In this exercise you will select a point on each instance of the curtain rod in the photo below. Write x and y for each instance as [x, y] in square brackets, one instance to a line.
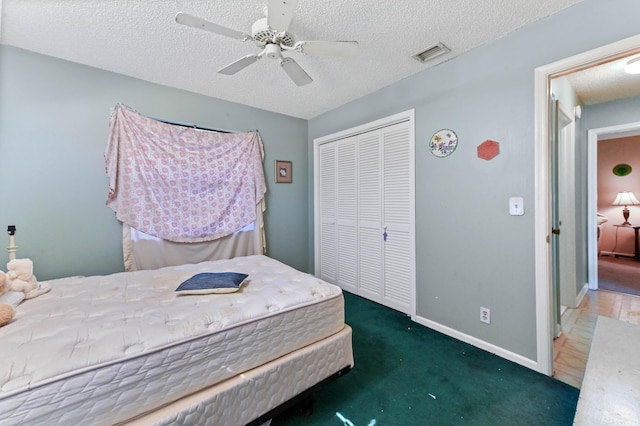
[194, 126]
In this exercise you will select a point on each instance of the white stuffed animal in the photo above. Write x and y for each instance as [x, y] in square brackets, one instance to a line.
[4, 286]
[8, 296]
[7, 311]
[20, 278]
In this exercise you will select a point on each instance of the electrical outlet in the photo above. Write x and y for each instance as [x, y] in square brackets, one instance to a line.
[485, 315]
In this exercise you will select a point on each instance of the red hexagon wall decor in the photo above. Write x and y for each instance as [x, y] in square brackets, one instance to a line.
[488, 149]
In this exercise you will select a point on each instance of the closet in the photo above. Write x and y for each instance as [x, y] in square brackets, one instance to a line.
[364, 211]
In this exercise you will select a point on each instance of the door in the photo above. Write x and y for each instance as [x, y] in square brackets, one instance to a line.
[569, 285]
[328, 268]
[370, 229]
[347, 214]
[364, 214]
[385, 217]
[563, 246]
[397, 209]
[555, 218]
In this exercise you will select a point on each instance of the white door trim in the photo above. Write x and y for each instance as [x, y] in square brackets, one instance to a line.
[544, 308]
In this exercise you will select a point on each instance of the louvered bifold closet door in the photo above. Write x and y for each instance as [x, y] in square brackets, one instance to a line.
[346, 189]
[370, 283]
[365, 238]
[328, 213]
[397, 214]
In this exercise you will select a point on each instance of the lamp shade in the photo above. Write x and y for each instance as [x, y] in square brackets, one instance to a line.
[625, 198]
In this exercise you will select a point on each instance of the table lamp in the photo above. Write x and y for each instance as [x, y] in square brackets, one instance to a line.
[625, 199]
[11, 230]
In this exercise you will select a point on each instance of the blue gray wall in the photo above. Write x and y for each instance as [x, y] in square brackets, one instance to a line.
[608, 114]
[470, 252]
[53, 131]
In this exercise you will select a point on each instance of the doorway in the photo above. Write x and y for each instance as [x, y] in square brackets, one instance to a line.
[595, 135]
[617, 274]
[545, 307]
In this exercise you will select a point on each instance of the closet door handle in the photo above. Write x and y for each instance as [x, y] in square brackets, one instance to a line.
[555, 231]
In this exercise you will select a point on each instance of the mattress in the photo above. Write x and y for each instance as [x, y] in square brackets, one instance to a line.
[105, 349]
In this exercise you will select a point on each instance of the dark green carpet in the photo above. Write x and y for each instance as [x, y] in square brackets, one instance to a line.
[400, 366]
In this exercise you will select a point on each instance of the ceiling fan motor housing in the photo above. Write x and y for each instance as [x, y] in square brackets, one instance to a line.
[262, 35]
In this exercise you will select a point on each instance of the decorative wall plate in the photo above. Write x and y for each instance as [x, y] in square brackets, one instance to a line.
[622, 170]
[443, 143]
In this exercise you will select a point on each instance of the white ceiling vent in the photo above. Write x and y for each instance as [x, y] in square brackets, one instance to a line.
[432, 52]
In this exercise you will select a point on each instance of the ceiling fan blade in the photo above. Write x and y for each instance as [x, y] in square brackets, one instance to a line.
[195, 22]
[295, 72]
[280, 13]
[239, 65]
[328, 48]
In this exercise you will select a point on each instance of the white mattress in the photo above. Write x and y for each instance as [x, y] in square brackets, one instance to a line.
[101, 350]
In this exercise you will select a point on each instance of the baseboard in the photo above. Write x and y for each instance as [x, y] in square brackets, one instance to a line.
[615, 254]
[489, 347]
[582, 293]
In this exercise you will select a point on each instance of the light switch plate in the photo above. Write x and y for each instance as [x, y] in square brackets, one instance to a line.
[516, 206]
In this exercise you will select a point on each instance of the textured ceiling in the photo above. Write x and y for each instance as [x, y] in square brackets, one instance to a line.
[606, 82]
[141, 39]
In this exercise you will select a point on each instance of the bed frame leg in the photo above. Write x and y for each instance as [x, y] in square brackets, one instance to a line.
[303, 401]
[306, 406]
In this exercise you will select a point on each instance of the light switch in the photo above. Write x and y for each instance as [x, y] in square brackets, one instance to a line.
[516, 206]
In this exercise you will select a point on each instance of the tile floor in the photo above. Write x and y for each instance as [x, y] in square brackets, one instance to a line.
[571, 349]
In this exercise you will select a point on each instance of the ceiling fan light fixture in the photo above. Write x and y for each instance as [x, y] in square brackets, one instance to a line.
[633, 66]
[273, 51]
[431, 52]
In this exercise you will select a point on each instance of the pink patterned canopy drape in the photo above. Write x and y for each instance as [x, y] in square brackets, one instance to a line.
[182, 184]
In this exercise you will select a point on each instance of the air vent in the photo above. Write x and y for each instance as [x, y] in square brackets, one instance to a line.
[432, 52]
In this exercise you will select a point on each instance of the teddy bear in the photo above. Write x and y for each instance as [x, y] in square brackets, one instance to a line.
[6, 313]
[3, 283]
[6, 310]
[7, 296]
[20, 278]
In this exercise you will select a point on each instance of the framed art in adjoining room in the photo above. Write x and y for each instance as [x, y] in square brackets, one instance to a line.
[284, 172]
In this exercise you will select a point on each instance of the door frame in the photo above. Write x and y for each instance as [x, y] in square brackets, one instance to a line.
[542, 230]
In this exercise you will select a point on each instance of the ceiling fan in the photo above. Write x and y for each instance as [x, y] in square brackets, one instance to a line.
[271, 35]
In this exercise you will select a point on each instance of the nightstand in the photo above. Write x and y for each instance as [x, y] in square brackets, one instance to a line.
[636, 246]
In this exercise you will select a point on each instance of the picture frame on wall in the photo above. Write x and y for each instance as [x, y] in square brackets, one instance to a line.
[284, 171]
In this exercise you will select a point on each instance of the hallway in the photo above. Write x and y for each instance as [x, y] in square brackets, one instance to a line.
[571, 349]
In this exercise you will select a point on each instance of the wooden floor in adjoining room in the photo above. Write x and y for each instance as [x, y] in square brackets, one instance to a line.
[571, 349]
